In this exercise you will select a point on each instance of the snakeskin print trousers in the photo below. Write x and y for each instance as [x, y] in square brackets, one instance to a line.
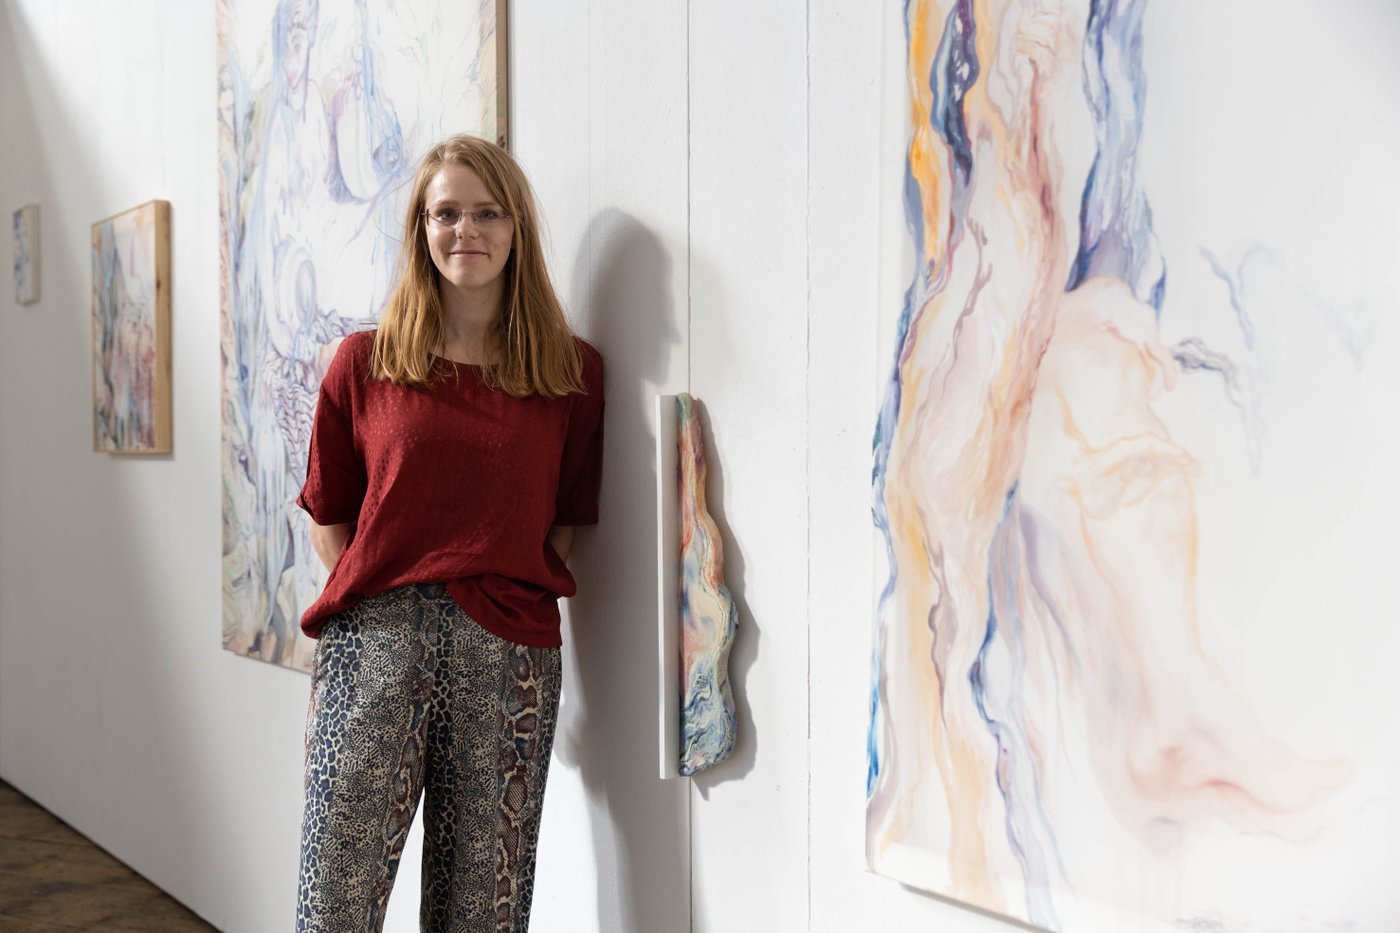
[410, 698]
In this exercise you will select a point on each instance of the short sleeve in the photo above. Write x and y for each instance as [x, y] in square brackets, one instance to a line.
[335, 472]
[581, 468]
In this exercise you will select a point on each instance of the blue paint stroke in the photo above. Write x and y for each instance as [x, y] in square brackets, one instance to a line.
[708, 721]
[1027, 825]
[1115, 219]
[1234, 284]
[1353, 322]
[1192, 355]
[872, 746]
[954, 71]
[361, 90]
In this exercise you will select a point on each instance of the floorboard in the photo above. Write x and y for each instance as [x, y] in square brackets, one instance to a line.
[53, 879]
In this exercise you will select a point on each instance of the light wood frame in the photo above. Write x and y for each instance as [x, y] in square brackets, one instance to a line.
[503, 74]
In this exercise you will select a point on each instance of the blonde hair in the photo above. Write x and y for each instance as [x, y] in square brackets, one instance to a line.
[534, 350]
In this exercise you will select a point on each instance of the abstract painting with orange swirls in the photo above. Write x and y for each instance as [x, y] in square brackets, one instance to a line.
[1135, 469]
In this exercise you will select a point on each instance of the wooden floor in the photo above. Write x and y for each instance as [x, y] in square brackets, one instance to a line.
[53, 879]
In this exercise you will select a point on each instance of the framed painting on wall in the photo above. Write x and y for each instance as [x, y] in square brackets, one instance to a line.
[131, 331]
[323, 116]
[26, 246]
[1134, 469]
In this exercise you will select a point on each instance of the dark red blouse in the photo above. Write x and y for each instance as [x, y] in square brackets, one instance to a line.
[455, 483]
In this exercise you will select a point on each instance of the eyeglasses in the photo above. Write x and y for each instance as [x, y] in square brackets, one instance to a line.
[450, 217]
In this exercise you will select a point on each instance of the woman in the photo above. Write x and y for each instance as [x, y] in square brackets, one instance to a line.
[453, 450]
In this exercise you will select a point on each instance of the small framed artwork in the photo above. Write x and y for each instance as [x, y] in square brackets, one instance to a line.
[131, 331]
[26, 227]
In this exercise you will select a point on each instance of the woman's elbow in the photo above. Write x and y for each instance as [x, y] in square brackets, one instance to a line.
[329, 540]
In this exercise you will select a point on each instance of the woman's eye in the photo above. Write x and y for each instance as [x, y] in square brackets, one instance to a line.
[448, 216]
[487, 214]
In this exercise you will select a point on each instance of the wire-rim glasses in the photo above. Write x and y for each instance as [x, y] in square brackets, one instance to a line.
[488, 218]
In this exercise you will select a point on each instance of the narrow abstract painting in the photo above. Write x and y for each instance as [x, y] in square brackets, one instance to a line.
[709, 616]
[324, 110]
[1135, 469]
[131, 331]
[26, 243]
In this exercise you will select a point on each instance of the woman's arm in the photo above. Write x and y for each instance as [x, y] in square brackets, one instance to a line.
[561, 538]
[329, 541]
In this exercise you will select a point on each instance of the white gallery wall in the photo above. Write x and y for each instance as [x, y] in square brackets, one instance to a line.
[717, 182]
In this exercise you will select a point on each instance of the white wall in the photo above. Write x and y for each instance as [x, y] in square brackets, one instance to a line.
[712, 175]
[118, 709]
[613, 848]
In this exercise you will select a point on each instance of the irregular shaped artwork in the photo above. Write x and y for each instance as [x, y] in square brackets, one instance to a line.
[26, 231]
[709, 619]
[131, 331]
[324, 110]
[1134, 471]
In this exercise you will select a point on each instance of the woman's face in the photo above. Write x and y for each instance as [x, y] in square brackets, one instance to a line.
[472, 252]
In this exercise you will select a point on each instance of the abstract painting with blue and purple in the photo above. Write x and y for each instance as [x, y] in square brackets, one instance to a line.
[1135, 469]
[324, 110]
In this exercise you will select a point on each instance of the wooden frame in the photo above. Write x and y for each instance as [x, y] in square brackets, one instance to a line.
[503, 74]
[131, 401]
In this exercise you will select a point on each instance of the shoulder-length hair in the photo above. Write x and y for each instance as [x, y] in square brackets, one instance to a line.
[533, 351]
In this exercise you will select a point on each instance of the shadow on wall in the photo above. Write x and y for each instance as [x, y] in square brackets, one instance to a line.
[1004, 921]
[744, 652]
[623, 289]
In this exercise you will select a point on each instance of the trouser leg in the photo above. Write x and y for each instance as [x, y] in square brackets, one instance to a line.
[365, 738]
[488, 759]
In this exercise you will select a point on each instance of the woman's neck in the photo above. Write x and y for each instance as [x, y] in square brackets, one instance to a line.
[468, 321]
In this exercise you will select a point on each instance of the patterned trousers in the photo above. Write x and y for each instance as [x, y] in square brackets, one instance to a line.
[410, 696]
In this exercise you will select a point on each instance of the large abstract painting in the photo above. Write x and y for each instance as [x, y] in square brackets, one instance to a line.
[1135, 469]
[324, 110]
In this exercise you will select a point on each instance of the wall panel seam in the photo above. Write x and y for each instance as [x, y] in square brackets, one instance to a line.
[689, 192]
[808, 465]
